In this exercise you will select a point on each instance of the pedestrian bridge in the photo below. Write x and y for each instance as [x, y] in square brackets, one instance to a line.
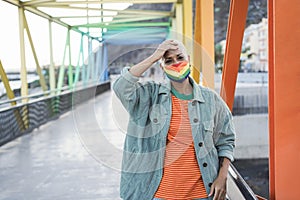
[61, 134]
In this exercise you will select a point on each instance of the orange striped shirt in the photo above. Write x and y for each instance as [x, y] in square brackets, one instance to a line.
[181, 176]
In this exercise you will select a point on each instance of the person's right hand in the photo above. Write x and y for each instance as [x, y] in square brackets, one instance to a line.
[163, 47]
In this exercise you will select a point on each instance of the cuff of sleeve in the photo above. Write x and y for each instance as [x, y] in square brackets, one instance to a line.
[128, 76]
[226, 153]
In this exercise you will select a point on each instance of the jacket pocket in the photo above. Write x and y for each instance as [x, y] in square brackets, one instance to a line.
[158, 118]
[208, 134]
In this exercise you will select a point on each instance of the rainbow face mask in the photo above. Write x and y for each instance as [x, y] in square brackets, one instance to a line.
[178, 72]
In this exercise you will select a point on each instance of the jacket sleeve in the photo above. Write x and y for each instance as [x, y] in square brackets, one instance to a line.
[224, 132]
[135, 96]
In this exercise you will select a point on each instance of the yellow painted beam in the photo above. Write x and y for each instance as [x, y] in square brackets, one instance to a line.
[9, 92]
[23, 73]
[204, 42]
[23, 121]
[38, 68]
[119, 16]
[187, 28]
[52, 78]
[49, 3]
[133, 11]
[187, 6]
[177, 23]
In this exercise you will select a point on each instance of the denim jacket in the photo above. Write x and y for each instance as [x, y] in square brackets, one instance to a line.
[150, 108]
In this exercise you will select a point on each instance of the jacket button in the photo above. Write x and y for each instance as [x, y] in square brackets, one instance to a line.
[200, 144]
[195, 120]
[210, 184]
[155, 120]
[193, 103]
[205, 164]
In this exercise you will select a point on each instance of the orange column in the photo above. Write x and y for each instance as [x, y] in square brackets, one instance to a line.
[284, 98]
[204, 53]
[235, 33]
[271, 102]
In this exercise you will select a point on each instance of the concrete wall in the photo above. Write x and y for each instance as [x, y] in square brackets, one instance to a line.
[252, 138]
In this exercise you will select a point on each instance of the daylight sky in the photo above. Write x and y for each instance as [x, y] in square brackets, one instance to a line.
[39, 27]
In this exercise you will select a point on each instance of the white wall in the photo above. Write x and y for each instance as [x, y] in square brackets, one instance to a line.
[252, 138]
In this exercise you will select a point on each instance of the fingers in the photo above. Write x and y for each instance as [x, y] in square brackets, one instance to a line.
[163, 47]
[217, 193]
[168, 44]
[212, 189]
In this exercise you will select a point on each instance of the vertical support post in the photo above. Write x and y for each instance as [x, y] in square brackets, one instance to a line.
[101, 67]
[177, 23]
[24, 85]
[80, 57]
[104, 72]
[188, 27]
[204, 54]
[23, 118]
[98, 64]
[187, 21]
[38, 68]
[61, 74]
[51, 67]
[235, 33]
[70, 67]
[84, 67]
[271, 101]
[91, 59]
[284, 95]
[88, 74]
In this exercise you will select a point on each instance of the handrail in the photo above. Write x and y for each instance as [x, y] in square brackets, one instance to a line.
[65, 89]
[240, 183]
[31, 96]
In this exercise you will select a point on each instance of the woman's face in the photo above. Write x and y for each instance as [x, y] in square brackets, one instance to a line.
[175, 64]
[172, 57]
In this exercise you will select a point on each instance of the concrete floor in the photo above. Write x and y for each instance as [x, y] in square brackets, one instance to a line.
[54, 163]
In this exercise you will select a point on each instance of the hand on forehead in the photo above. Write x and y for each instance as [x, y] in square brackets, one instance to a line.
[180, 49]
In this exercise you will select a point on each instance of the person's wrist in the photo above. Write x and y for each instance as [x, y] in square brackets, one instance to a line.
[223, 174]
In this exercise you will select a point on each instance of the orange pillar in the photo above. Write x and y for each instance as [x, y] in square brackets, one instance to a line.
[271, 102]
[235, 33]
[204, 54]
[284, 98]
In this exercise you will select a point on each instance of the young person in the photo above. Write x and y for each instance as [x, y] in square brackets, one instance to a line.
[180, 136]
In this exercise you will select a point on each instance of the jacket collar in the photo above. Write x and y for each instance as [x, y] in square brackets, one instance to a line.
[166, 88]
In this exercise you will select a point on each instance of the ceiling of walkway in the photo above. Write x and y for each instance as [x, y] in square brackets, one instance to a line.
[103, 18]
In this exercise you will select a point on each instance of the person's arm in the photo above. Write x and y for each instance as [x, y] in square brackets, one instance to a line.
[129, 90]
[218, 188]
[224, 141]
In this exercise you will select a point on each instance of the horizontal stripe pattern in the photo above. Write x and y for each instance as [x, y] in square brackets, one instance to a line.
[181, 177]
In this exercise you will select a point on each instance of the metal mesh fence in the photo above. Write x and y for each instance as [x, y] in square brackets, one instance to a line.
[22, 119]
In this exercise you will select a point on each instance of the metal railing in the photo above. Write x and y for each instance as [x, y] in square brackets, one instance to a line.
[23, 118]
[238, 189]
